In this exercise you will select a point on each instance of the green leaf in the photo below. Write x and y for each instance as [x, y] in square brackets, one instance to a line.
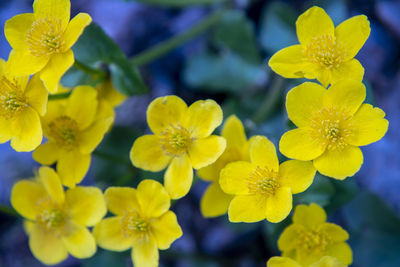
[178, 3]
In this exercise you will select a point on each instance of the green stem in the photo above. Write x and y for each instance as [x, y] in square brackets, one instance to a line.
[8, 210]
[59, 96]
[163, 48]
[85, 68]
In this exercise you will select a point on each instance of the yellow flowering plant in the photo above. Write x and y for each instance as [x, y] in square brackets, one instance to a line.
[325, 261]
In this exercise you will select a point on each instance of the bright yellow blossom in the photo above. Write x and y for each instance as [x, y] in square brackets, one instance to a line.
[214, 201]
[263, 189]
[182, 141]
[21, 104]
[287, 262]
[332, 125]
[325, 53]
[310, 237]
[142, 222]
[74, 127]
[56, 222]
[42, 40]
[107, 92]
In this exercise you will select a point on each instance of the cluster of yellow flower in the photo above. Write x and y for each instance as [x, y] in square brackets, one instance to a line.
[247, 180]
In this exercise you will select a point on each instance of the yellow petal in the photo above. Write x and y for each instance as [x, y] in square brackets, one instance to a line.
[152, 198]
[340, 163]
[313, 23]
[203, 117]
[211, 172]
[214, 201]
[57, 9]
[348, 70]
[233, 178]
[25, 196]
[234, 133]
[72, 167]
[348, 95]
[51, 182]
[328, 261]
[121, 199]
[279, 205]
[179, 177]
[323, 75]
[108, 93]
[16, 28]
[91, 137]
[86, 205]
[80, 243]
[164, 112]
[352, 34]
[37, 95]
[147, 154]
[247, 209]
[46, 154]
[22, 63]
[82, 105]
[145, 254]
[335, 232]
[46, 246]
[282, 262]
[166, 230]
[298, 175]
[341, 251]
[303, 101]
[367, 126]
[300, 144]
[55, 69]
[5, 130]
[288, 62]
[309, 216]
[205, 151]
[55, 109]
[287, 240]
[27, 131]
[75, 29]
[108, 234]
[263, 153]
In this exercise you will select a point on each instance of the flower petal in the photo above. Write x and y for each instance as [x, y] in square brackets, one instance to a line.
[287, 240]
[16, 28]
[37, 95]
[57, 9]
[348, 70]
[282, 262]
[279, 205]
[27, 131]
[205, 151]
[288, 62]
[75, 29]
[233, 178]
[342, 252]
[298, 175]
[22, 63]
[51, 182]
[80, 243]
[313, 23]
[300, 144]
[309, 216]
[46, 154]
[166, 230]
[328, 261]
[335, 232]
[214, 202]
[352, 34]
[145, 254]
[152, 198]
[179, 177]
[108, 234]
[25, 196]
[82, 105]
[6, 131]
[91, 137]
[147, 154]
[247, 209]
[340, 163]
[72, 167]
[263, 153]
[121, 199]
[233, 132]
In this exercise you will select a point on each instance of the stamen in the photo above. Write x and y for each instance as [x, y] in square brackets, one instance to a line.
[64, 131]
[51, 216]
[175, 140]
[134, 226]
[12, 99]
[263, 182]
[313, 240]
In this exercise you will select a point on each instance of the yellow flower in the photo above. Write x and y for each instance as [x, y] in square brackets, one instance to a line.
[42, 40]
[74, 127]
[56, 222]
[325, 53]
[142, 222]
[310, 237]
[332, 125]
[182, 141]
[21, 104]
[107, 92]
[263, 189]
[287, 262]
[215, 202]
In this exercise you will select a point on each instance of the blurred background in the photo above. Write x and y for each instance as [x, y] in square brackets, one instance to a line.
[225, 58]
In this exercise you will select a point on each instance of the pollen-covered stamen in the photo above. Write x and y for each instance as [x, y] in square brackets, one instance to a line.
[133, 225]
[175, 140]
[325, 50]
[45, 37]
[313, 240]
[64, 131]
[263, 181]
[12, 99]
[51, 215]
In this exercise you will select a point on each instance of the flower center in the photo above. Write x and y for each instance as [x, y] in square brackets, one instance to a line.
[45, 37]
[175, 140]
[263, 182]
[325, 50]
[64, 131]
[314, 240]
[12, 99]
[134, 226]
[50, 215]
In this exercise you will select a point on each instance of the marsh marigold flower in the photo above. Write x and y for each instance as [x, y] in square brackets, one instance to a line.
[310, 237]
[332, 125]
[263, 189]
[74, 128]
[142, 222]
[215, 202]
[325, 53]
[42, 40]
[107, 92]
[287, 262]
[22, 101]
[57, 221]
[182, 141]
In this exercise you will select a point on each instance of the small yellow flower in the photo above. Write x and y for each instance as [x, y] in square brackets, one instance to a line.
[263, 189]
[182, 141]
[21, 104]
[142, 222]
[56, 222]
[214, 201]
[310, 237]
[107, 92]
[325, 53]
[74, 127]
[332, 125]
[287, 262]
[42, 40]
